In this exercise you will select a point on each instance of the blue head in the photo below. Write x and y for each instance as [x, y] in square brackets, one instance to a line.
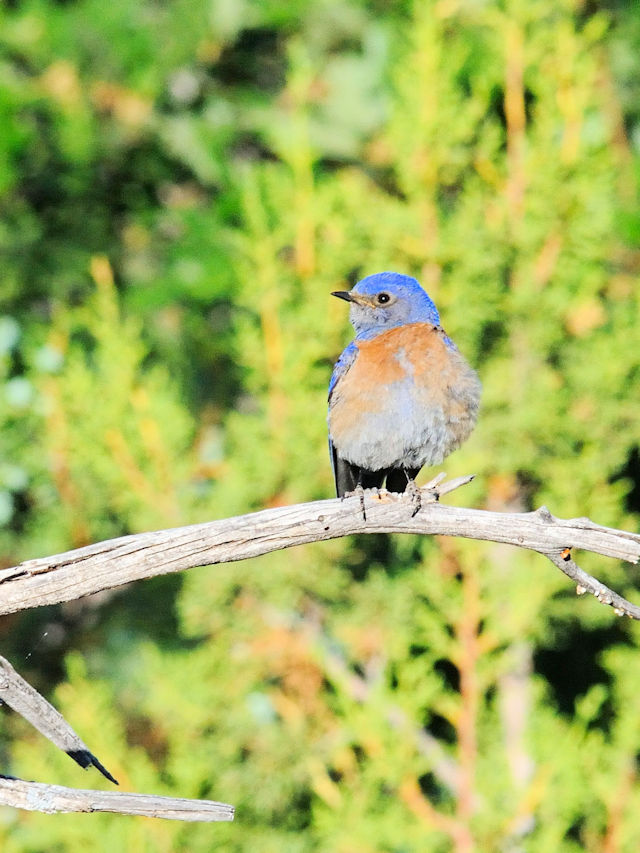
[385, 300]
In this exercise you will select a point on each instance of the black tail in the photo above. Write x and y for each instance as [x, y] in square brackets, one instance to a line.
[348, 476]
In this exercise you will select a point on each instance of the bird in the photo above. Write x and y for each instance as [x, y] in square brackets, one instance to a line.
[401, 395]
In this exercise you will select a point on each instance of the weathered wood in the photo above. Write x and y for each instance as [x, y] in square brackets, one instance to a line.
[52, 799]
[26, 701]
[109, 564]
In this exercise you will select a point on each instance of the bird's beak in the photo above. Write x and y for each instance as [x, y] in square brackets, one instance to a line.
[350, 296]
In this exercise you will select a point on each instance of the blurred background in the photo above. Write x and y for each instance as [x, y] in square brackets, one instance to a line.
[182, 184]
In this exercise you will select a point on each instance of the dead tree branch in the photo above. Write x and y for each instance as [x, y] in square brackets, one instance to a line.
[35, 796]
[53, 799]
[105, 565]
[26, 701]
[110, 564]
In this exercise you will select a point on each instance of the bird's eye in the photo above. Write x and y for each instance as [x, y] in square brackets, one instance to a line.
[383, 298]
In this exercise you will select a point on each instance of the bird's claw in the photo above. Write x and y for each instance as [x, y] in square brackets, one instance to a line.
[429, 493]
[359, 492]
[415, 495]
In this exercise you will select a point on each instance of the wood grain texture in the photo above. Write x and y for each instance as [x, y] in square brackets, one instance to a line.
[26, 701]
[54, 799]
[109, 564]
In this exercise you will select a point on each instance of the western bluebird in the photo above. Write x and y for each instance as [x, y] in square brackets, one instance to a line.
[401, 396]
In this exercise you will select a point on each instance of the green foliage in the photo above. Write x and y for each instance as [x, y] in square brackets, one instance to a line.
[181, 186]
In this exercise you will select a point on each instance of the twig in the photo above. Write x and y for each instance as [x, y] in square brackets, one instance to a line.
[110, 564]
[587, 583]
[35, 796]
[107, 565]
[51, 799]
[25, 700]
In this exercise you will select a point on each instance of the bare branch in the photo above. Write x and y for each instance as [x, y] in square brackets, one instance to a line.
[110, 564]
[587, 583]
[51, 799]
[25, 700]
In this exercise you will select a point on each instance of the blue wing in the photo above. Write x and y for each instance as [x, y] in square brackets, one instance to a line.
[342, 365]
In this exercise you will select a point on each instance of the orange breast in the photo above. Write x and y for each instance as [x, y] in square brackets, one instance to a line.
[407, 398]
[414, 352]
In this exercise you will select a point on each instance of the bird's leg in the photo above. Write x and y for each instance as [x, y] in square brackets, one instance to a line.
[414, 493]
[359, 493]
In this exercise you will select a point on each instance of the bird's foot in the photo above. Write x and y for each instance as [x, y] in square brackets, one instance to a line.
[415, 495]
[359, 492]
[432, 491]
[429, 493]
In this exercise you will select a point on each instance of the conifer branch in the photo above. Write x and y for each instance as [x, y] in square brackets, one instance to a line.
[110, 564]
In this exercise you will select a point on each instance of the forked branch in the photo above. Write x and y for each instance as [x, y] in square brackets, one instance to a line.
[109, 564]
[106, 565]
